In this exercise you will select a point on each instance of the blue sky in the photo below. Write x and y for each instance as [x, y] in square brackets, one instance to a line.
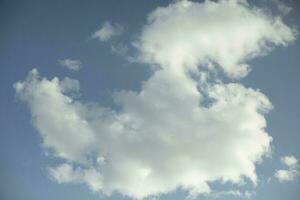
[166, 107]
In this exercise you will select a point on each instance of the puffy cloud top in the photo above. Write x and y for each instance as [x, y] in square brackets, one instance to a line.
[226, 33]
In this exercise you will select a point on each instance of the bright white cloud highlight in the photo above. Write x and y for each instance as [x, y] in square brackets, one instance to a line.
[73, 65]
[185, 128]
[107, 31]
[291, 173]
[226, 34]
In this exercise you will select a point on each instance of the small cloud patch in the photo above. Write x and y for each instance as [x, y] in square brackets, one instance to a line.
[292, 171]
[73, 65]
[107, 31]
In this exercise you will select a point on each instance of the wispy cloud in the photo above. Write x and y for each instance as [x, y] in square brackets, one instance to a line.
[70, 64]
[282, 7]
[232, 193]
[107, 31]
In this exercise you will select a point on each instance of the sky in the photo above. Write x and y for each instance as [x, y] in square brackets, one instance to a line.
[165, 100]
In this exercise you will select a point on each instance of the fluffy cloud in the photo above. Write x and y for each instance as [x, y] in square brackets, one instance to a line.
[65, 173]
[107, 31]
[226, 34]
[70, 64]
[55, 116]
[288, 174]
[185, 128]
[289, 161]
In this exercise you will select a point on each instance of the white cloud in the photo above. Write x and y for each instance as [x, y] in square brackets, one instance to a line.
[291, 173]
[178, 131]
[289, 161]
[286, 175]
[70, 64]
[55, 115]
[107, 31]
[226, 34]
[66, 173]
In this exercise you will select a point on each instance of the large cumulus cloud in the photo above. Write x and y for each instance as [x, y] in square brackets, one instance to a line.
[185, 128]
